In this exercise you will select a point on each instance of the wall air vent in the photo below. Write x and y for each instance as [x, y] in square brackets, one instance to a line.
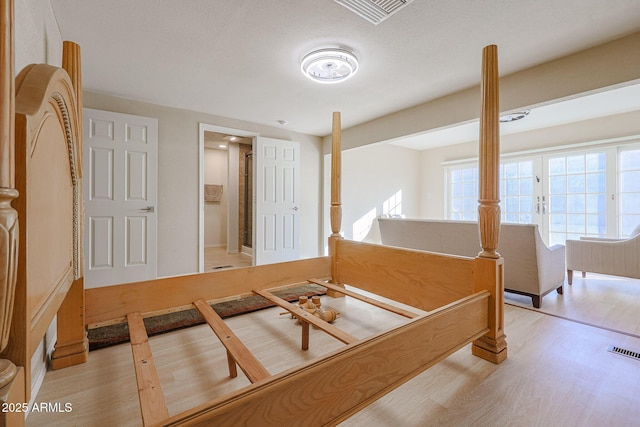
[374, 11]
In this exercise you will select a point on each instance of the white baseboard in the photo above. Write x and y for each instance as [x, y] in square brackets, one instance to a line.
[215, 245]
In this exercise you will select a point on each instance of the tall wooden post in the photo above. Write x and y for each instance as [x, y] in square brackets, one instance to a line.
[489, 203]
[12, 378]
[490, 266]
[336, 204]
[72, 345]
[8, 215]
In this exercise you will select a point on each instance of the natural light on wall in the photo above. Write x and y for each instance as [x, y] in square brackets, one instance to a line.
[362, 226]
[390, 207]
[393, 205]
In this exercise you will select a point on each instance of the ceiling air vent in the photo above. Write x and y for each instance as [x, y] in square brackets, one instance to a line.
[374, 11]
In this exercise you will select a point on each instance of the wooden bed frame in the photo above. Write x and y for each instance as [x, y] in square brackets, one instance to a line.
[42, 276]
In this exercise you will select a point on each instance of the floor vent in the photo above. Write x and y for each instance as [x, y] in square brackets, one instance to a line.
[218, 267]
[374, 11]
[624, 352]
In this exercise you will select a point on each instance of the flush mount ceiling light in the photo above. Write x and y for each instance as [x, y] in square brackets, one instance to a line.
[329, 65]
[512, 117]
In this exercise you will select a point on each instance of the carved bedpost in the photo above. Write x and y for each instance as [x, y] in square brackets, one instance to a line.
[336, 204]
[12, 378]
[8, 215]
[489, 203]
[72, 345]
[490, 266]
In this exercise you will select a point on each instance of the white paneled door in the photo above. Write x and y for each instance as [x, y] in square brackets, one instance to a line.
[120, 195]
[277, 184]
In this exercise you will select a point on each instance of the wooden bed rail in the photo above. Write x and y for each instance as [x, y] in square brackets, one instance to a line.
[324, 387]
[369, 300]
[111, 304]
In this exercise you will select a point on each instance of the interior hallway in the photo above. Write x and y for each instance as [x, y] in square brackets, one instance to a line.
[218, 258]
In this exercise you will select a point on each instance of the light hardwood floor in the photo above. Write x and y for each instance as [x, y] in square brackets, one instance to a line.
[604, 301]
[218, 258]
[559, 372]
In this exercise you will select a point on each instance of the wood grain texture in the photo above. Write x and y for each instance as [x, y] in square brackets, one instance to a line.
[46, 129]
[336, 172]
[114, 302]
[249, 364]
[329, 390]
[152, 402]
[307, 317]
[72, 345]
[490, 277]
[489, 192]
[558, 371]
[7, 89]
[13, 394]
[372, 301]
[9, 220]
[335, 210]
[419, 279]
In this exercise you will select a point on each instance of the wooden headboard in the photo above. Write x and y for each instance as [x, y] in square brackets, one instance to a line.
[48, 206]
[40, 215]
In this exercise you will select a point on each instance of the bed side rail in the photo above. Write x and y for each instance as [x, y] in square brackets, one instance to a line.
[113, 303]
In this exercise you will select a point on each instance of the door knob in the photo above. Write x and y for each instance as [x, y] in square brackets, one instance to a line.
[148, 209]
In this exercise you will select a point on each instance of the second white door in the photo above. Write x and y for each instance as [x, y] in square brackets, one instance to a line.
[277, 201]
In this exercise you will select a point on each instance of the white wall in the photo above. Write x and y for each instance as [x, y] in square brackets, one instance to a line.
[178, 188]
[370, 176]
[37, 38]
[215, 213]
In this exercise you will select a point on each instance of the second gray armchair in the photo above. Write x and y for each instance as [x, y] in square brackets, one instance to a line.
[616, 257]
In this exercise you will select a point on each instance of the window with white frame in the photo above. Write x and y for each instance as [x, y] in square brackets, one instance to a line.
[577, 196]
[463, 193]
[517, 191]
[629, 190]
[588, 192]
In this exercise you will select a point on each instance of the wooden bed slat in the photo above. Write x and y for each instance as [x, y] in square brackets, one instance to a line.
[372, 301]
[306, 317]
[336, 386]
[251, 366]
[152, 402]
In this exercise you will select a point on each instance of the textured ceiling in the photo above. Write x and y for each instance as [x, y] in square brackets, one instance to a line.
[240, 58]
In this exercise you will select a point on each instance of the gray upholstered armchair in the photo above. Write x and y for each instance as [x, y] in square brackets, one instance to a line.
[617, 257]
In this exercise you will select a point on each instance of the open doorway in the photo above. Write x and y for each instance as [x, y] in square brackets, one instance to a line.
[226, 202]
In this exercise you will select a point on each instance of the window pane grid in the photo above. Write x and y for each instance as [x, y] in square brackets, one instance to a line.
[577, 198]
[516, 191]
[463, 193]
[629, 191]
